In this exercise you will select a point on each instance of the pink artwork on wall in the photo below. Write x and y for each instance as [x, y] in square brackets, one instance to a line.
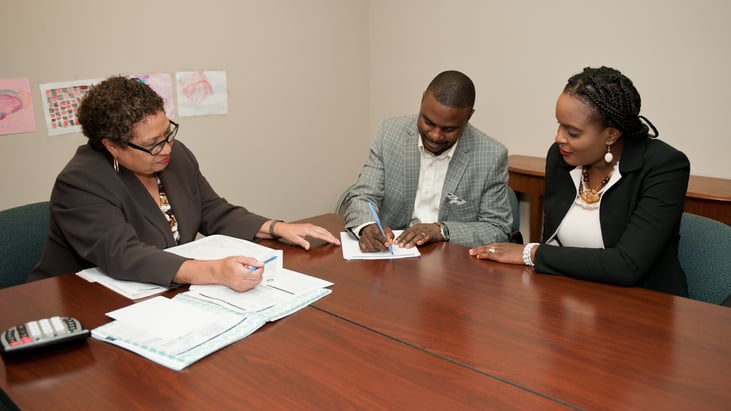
[10, 102]
[196, 87]
[62, 104]
[162, 83]
[16, 107]
[61, 101]
[201, 93]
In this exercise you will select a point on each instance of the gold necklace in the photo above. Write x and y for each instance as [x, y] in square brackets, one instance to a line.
[592, 195]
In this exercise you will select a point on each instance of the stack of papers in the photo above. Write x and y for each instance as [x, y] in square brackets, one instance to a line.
[270, 292]
[219, 246]
[179, 331]
[130, 289]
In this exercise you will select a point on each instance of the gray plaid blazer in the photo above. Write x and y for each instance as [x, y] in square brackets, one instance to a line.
[474, 204]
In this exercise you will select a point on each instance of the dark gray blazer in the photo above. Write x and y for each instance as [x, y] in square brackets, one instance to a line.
[474, 204]
[101, 218]
[640, 220]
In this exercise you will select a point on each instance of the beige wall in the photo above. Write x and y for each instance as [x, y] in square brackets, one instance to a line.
[520, 54]
[297, 80]
[309, 80]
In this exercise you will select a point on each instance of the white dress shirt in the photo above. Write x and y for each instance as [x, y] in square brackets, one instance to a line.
[432, 172]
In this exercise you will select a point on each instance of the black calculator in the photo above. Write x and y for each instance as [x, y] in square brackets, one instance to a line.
[41, 333]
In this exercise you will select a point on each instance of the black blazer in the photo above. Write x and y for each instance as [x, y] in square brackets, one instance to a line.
[101, 218]
[640, 220]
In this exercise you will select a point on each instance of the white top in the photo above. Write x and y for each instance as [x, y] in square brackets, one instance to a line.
[432, 172]
[581, 226]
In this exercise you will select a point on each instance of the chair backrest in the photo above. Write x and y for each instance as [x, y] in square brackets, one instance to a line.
[23, 232]
[342, 203]
[705, 255]
[515, 235]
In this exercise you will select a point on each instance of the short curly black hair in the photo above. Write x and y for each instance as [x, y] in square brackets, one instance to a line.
[113, 107]
[614, 98]
[453, 89]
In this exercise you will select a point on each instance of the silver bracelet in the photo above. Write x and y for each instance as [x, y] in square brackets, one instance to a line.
[526, 254]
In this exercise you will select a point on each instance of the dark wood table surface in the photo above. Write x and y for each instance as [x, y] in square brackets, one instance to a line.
[589, 345]
[309, 360]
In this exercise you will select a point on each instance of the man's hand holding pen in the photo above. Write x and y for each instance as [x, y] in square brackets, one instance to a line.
[371, 239]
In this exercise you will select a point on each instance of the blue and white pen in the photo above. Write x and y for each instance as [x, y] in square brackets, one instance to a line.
[378, 223]
[267, 261]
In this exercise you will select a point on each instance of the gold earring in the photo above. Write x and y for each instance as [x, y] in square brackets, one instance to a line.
[116, 165]
[608, 157]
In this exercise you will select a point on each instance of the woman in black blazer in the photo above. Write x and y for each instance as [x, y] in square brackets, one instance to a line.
[614, 194]
[134, 190]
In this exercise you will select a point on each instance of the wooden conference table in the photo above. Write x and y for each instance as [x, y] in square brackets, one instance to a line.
[706, 196]
[442, 331]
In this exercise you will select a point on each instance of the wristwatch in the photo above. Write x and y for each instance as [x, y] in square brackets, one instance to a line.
[445, 230]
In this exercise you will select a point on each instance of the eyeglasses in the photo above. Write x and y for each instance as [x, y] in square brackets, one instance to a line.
[157, 148]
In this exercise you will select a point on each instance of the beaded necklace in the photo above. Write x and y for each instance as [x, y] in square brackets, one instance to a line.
[592, 195]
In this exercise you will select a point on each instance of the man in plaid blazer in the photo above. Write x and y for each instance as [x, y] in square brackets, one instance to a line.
[434, 176]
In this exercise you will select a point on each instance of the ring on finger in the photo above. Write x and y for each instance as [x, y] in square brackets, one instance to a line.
[491, 250]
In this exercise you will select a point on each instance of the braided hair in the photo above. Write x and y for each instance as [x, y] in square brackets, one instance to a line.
[614, 98]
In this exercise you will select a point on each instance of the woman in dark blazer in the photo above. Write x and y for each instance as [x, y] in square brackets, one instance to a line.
[614, 194]
[133, 190]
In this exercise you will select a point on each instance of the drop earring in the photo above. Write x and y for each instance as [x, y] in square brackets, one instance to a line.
[115, 163]
[608, 157]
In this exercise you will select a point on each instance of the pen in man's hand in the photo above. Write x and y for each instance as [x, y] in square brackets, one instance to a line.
[267, 261]
[378, 223]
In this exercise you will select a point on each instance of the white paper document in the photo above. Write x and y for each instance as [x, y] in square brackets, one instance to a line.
[179, 331]
[351, 250]
[219, 246]
[172, 326]
[160, 330]
[207, 248]
[130, 289]
[285, 286]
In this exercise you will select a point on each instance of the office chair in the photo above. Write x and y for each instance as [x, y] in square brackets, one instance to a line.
[342, 203]
[6, 403]
[705, 255]
[515, 235]
[23, 232]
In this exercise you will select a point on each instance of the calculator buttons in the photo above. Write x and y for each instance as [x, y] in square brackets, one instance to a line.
[40, 333]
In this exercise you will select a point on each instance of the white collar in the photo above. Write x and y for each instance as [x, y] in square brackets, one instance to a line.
[447, 155]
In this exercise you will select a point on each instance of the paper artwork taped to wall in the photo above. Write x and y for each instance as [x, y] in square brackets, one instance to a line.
[61, 102]
[162, 83]
[201, 93]
[16, 107]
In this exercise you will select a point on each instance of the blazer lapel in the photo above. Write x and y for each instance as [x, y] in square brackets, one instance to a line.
[457, 167]
[150, 209]
[412, 162]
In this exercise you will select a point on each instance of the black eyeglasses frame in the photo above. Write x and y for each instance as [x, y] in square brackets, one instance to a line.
[157, 148]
